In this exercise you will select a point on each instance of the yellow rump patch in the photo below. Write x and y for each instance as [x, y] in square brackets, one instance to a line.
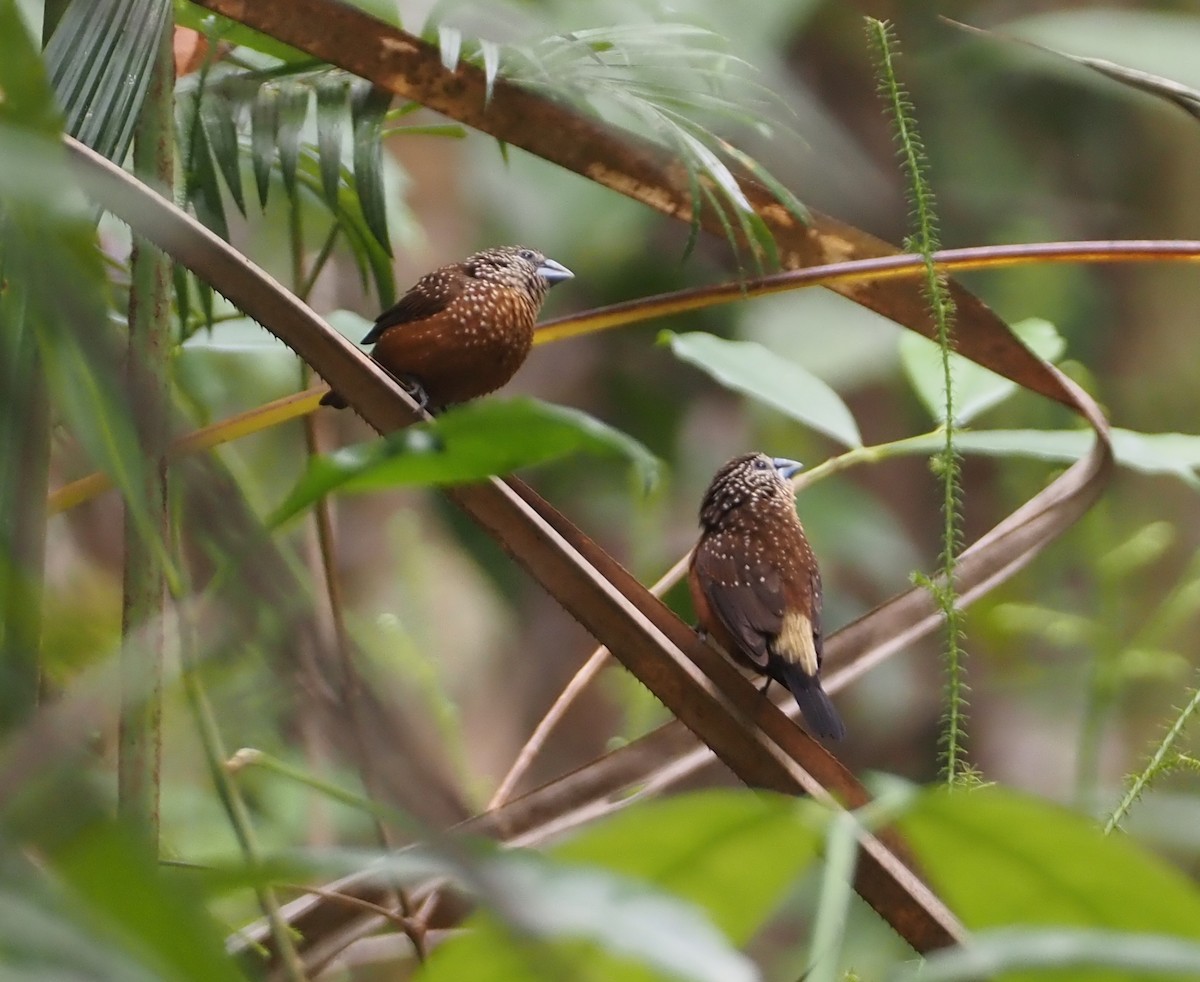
[795, 642]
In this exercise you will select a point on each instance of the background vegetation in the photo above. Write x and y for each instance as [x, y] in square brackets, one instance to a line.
[381, 660]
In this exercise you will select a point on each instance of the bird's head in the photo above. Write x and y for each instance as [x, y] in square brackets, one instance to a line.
[750, 479]
[518, 268]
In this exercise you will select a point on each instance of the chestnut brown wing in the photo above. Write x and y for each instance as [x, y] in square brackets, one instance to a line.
[751, 613]
[432, 294]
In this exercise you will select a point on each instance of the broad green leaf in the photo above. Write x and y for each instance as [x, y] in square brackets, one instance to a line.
[1061, 954]
[975, 389]
[1000, 858]
[733, 853]
[40, 932]
[368, 107]
[591, 923]
[333, 107]
[98, 60]
[749, 368]
[1176, 454]
[126, 893]
[467, 443]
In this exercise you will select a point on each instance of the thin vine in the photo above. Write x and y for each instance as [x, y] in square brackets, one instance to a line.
[1163, 760]
[946, 462]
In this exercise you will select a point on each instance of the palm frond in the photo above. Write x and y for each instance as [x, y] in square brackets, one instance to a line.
[286, 118]
[675, 82]
[98, 60]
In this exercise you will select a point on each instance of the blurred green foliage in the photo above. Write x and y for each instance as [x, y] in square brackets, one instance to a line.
[1079, 665]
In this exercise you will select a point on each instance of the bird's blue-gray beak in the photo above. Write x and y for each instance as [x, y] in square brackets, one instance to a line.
[787, 468]
[553, 272]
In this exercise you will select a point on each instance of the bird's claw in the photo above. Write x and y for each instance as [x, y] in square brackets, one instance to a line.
[413, 386]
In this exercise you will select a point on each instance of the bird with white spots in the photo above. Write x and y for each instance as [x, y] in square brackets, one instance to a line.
[463, 330]
[755, 583]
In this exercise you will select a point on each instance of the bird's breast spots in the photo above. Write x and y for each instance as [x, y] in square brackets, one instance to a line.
[795, 642]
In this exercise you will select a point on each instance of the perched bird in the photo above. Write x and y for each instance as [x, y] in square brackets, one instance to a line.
[755, 583]
[463, 330]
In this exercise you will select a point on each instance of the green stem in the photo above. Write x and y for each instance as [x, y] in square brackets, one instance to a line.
[1157, 764]
[946, 462]
[833, 908]
[348, 680]
[24, 482]
[308, 282]
[867, 455]
[145, 575]
[235, 805]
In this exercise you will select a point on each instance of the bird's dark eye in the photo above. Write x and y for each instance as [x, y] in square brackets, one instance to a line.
[761, 465]
[527, 254]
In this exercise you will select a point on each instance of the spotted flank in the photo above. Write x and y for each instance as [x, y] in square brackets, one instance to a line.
[755, 583]
[465, 329]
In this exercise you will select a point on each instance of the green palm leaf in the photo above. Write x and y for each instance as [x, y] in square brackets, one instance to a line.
[98, 61]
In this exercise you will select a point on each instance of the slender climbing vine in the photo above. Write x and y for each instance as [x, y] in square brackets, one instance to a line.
[1164, 760]
[946, 462]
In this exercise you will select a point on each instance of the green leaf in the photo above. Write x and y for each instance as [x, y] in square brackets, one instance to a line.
[332, 109]
[749, 368]
[1000, 858]
[202, 190]
[219, 28]
[606, 925]
[98, 60]
[733, 853]
[711, 165]
[55, 284]
[1140, 38]
[218, 114]
[768, 180]
[264, 130]
[468, 443]
[1175, 454]
[1119, 954]
[368, 107]
[38, 933]
[975, 389]
[182, 284]
[126, 893]
[293, 109]
[371, 257]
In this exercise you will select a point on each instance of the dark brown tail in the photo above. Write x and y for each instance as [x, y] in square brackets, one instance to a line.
[814, 704]
[331, 398]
